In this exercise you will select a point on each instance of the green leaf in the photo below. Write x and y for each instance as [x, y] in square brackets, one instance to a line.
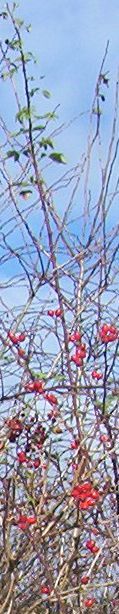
[25, 194]
[10, 73]
[39, 127]
[43, 155]
[4, 15]
[24, 113]
[26, 152]
[28, 28]
[12, 153]
[97, 111]
[39, 375]
[45, 142]
[27, 57]
[58, 157]
[19, 22]
[46, 93]
[59, 378]
[33, 91]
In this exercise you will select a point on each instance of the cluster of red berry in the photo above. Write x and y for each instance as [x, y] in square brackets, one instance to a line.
[97, 375]
[24, 521]
[45, 590]
[85, 495]
[38, 387]
[89, 602]
[92, 546]
[108, 333]
[22, 458]
[51, 398]
[76, 336]
[79, 355]
[34, 386]
[57, 313]
[15, 427]
[18, 338]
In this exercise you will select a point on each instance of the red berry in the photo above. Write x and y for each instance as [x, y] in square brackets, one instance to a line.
[38, 386]
[12, 337]
[104, 438]
[94, 493]
[24, 521]
[108, 333]
[77, 360]
[21, 337]
[81, 350]
[95, 531]
[74, 444]
[21, 352]
[84, 580]
[90, 544]
[58, 313]
[29, 386]
[89, 602]
[76, 336]
[15, 425]
[95, 549]
[31, 519]
[86, 503]
[51, 398]
[45, 590]
[105, 328]
[96, 375]
[36, 463]
[22, 457]
[74, 466]
[16, 338]
[51, 313]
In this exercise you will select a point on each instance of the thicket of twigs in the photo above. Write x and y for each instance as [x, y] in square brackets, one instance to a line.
[59, 348]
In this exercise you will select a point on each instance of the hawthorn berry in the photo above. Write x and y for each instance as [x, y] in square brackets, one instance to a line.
[104, 438]
[25, 521]
[95, 549]
[36, 386]
[88, 502]
[74, 466]
[77, 360]
[58, 312]
[89, 602]
[16, 338]
[76, 336]
[85, 494]
[22, 457]
[84, 579]
[36, 463]
[105, 328]
[51, 398]
[15, 427]
[29, 387]
[74, 444]
[95, 531]
[97, 375]
[21, 352]
[45, 590]
[51, 313]
[108, 333]
[81, 350]
[90, 544]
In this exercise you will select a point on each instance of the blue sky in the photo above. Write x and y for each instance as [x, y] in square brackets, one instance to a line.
[69, 38]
